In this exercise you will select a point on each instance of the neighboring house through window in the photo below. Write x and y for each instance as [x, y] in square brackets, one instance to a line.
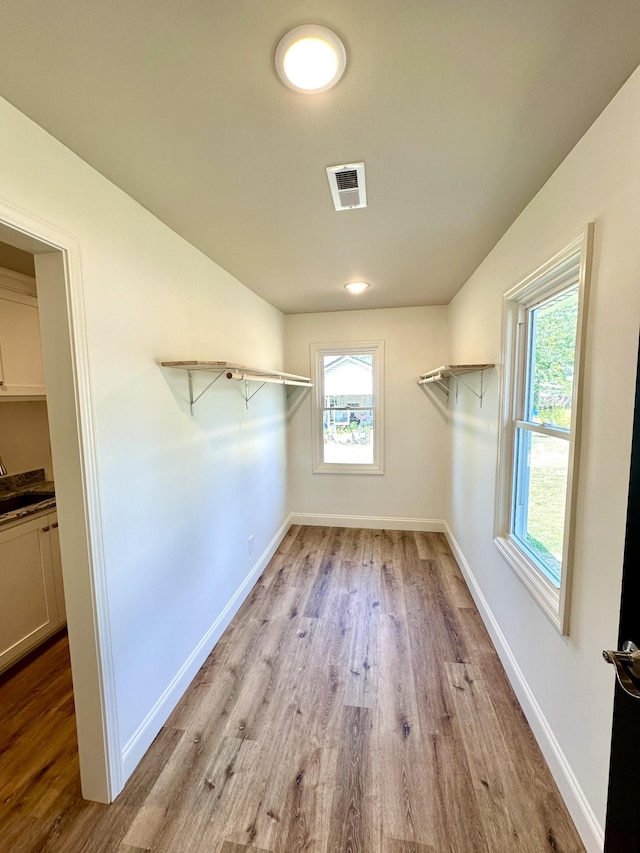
[537, 474]
[348, 419]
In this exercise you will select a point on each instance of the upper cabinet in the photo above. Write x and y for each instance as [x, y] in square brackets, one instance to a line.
[21, 367]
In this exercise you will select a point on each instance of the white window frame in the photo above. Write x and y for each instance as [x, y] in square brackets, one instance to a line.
[318, 351]
[569, 267]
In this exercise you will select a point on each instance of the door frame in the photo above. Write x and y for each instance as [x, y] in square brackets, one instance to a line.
[72, 425]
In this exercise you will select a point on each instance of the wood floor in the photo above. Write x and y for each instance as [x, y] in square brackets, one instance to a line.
[354, 705]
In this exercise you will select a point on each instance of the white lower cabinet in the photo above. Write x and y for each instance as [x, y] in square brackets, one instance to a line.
[31, 592]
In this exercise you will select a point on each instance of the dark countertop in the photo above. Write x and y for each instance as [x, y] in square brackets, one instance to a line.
[31, 483]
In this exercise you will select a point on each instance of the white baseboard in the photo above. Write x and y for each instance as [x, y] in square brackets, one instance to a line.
[588, 827]
[369, 522]
[142, 738]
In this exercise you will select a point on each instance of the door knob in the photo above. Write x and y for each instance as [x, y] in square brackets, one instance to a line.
[627, 664]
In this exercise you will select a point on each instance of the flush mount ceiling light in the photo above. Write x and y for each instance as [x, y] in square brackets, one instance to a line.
[356, 286]
[310, 59]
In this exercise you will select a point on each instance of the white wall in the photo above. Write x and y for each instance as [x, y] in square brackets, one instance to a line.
[416, 440]
[599, 182]
[179, 496]
[24, 437]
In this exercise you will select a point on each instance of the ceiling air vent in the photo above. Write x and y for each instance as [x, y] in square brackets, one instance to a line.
[347, 184]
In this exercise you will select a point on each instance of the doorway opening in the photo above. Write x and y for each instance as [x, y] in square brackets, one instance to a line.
[31, 585]
[56, 260]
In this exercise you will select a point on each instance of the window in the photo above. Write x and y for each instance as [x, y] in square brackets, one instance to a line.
[537, 470]
[348, 419]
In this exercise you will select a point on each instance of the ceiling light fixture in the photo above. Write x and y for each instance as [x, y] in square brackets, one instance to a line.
[357, 286]
[310, 59]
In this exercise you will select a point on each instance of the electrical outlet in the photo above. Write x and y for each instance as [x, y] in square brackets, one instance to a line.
[251, 544]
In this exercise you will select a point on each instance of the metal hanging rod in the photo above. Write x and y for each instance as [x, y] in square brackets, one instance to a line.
[235, 371]
[440, 376]
[278, 380]
[263, 380]
[439, 379]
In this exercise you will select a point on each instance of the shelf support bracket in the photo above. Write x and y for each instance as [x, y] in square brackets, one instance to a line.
[442, 376]
[442, 385]
[233, 371]
[469, 388]
[247, 396]
[193, 400]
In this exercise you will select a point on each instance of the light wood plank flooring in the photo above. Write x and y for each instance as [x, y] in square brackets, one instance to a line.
[354, 705]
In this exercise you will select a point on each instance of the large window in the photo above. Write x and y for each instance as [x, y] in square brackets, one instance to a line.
[537, 475]
[348, 418]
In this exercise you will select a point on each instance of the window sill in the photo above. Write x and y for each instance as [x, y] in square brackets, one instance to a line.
[547, 596]
[338, 468]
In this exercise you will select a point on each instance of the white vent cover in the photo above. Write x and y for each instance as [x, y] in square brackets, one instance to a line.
[347, 184]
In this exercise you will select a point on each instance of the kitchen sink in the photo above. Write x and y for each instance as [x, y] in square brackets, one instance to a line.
[23, 500]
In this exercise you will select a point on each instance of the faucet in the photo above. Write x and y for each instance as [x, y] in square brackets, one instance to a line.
[3, 468]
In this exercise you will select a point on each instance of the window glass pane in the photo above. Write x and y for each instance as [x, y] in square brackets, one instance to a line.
[348, 436]
[552, 344]
[542, 464]
[348, 380]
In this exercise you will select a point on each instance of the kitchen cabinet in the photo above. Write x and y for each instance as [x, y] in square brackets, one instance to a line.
[21, 366]
[31, 593]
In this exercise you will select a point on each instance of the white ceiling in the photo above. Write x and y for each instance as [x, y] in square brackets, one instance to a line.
[461, 111]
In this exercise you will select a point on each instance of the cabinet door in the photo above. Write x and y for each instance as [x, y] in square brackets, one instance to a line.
[21, 368]
[28, 610]
[56, 562]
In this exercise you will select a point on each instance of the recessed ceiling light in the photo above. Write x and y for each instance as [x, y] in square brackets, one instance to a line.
[356, 286]
[310, 59]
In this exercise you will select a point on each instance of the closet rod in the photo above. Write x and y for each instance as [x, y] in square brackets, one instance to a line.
[252, 377]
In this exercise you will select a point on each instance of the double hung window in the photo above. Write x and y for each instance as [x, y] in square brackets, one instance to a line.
[537, 475]
[348, 422]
